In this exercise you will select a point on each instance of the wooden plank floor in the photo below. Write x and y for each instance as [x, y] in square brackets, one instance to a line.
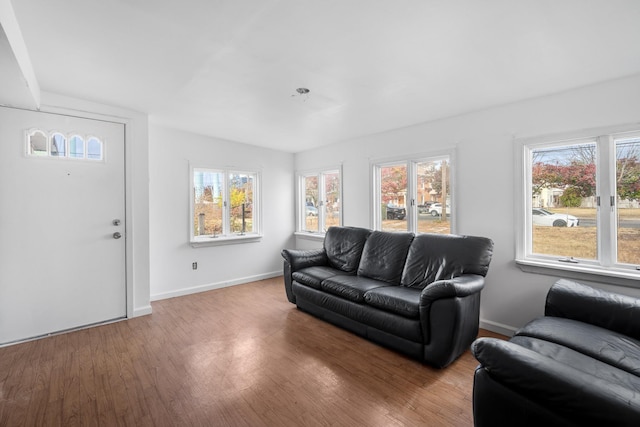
[238, 356]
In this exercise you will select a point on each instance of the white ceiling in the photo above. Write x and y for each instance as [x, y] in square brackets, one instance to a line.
[230, 68]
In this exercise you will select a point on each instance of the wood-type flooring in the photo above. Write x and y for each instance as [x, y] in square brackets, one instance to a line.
[237, 356]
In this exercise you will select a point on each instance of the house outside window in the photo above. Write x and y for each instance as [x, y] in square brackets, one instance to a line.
[414, 194]
[581, 204]
[319, 195]
[224, 205]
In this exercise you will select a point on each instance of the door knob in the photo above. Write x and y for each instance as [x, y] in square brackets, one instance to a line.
[117, 235]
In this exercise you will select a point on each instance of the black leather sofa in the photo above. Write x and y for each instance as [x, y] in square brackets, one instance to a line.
[578, 365]
[417, 294]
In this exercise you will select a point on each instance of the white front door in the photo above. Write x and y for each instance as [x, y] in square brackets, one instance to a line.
[62, 198]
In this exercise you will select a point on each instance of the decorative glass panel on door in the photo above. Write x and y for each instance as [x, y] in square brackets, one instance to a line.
[94, 148]
[76, 147]
[37, 143]
[58, 145]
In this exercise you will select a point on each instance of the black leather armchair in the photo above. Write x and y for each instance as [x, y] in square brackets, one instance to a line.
[579, 365]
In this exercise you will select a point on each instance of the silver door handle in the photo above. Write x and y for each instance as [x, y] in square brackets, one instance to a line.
[117, 235]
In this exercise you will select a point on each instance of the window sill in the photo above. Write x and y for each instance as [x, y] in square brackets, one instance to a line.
[316, 237]
[619, 277]
[224, 240]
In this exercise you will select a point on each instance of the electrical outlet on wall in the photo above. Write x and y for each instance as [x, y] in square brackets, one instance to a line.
[194, 265]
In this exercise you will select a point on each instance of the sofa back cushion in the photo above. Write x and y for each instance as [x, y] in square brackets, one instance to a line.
[445, 256]
[343, 246]
[384, 256]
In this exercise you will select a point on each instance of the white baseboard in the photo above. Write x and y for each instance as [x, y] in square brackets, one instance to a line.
[498, 328]
[141, 311]
[212, 286]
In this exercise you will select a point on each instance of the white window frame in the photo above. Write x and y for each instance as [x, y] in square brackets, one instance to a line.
[580, 269]
[411, 207]
[226, 236]
[301, 200]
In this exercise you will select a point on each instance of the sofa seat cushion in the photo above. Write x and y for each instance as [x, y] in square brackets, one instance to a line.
[396, 299]
[579, 361]
[352, 288]
[313, 276]
[602, 344]
[359, 318]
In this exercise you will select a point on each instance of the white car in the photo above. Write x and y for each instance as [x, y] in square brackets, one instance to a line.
[436, 209]
[544, 217]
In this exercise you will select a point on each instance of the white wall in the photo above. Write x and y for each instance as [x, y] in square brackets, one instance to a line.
[485, 175]
[171, 255]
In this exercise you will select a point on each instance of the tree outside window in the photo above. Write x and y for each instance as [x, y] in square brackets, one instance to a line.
[224, 203]
[564, 185]
[628, 200]
[320, 194]
[414, 195]
[311, 203]
[583, 202]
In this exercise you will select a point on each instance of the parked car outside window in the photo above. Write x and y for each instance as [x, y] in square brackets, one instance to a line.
[543, 217]
[396, 212]
[436, 209]
[424, 208]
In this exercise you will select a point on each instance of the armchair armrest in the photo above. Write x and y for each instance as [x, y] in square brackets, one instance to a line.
[557, 386]
[460, 286]
[616, 312]
[299, 259]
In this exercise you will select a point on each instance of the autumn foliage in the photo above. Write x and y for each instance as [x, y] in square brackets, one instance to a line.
[578, 179]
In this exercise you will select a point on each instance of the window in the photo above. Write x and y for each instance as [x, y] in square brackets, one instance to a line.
[320, 198]
[224, 205]
[627, 199]
[414, 195]
[37, 143]
[94, 148]
[58, 145]
[76, 147]
[581, 205]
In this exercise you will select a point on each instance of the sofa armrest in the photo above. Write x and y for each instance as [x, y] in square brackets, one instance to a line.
[460, 286]
[616, 312]
[449, 315]
[299, 259]
[561, 388]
